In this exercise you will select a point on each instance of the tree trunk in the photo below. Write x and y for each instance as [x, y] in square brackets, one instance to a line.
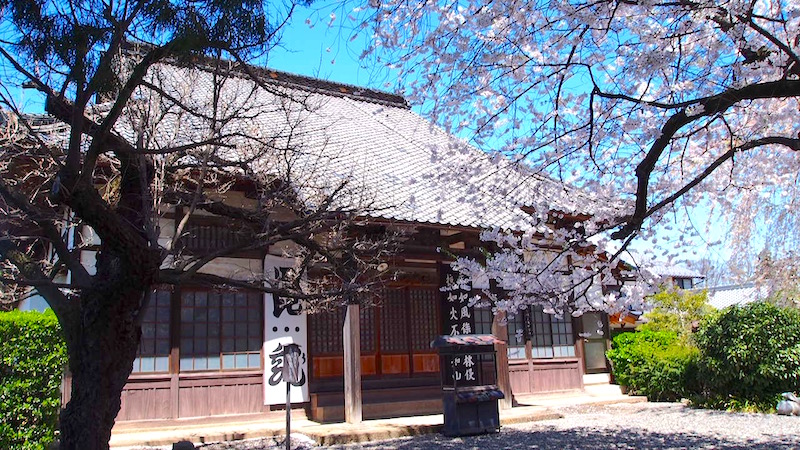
[101, 350]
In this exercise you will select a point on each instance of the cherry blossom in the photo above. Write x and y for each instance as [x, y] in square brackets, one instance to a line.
[660, 106]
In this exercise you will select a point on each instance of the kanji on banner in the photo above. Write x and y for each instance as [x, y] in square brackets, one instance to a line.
[457, 318]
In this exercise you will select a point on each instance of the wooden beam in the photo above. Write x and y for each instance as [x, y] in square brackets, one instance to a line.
[352, 365]
[503, 378]
[429, 252]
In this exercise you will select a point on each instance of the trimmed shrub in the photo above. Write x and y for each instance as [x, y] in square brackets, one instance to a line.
[657, 364]
[32, 357]
[750, 355]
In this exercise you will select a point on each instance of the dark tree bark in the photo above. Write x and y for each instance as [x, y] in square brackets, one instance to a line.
[102, 344]
[101, 353]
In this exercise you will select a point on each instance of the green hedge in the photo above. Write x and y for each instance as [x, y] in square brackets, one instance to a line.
[750, 355]
[657, 364]
[32, 357]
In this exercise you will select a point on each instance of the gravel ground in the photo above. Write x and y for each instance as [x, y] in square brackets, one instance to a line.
[623, 426]
[626, 426]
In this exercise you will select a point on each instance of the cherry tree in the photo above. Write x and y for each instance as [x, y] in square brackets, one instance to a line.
[661, 105]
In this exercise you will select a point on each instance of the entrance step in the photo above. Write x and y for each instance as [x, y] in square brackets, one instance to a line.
[599, 390]
[596, 378]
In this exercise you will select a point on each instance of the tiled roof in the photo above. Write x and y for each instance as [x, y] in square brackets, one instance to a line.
[740, 294]
[328, 88]
[661, 269]
[674, 271]
[398, 166]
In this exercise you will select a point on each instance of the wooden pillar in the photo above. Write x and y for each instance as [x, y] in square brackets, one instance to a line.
[174, 352]
[580, 345]
[352, 365]
[503, 379]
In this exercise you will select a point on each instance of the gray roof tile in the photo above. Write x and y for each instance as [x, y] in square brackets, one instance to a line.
[398, 165]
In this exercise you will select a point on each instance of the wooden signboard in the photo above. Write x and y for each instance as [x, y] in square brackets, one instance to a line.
[284, 323]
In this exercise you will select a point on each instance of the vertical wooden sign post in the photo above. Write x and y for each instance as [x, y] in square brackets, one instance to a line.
[352, 365]
[288, 417]
[292, 374]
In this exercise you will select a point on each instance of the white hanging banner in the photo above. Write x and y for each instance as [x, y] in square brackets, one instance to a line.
[284, 323]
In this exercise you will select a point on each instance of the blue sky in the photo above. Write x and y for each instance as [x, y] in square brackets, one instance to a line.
[323, 51]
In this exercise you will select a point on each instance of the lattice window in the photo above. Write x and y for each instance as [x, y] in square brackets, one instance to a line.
[394, 316]
[367, 327]
[154, 348]
[563, 339]
[327, 327]
[326, 332]
[483, 320]
[242, 334]
[551, 337]
[220, 330]
[204, 238]
[424, 323]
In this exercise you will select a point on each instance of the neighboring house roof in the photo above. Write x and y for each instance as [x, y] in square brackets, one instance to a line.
[741, 294]
[669, 270]
[398, 165]
[659, 269]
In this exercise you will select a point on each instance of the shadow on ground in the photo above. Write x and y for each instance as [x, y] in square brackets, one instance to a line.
[576, 438]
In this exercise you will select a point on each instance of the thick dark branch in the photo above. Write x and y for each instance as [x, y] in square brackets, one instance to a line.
[215, 141]
[61, 108]
[708, 106]
[639, 101]
[115, 232]
[792, 144]
[175, 277]
[36, 283]
[255, 217]
[105, 67]
[31, 271]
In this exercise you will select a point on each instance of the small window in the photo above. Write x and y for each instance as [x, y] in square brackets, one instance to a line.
[154, 348]
[220, 330]
[550, 336]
